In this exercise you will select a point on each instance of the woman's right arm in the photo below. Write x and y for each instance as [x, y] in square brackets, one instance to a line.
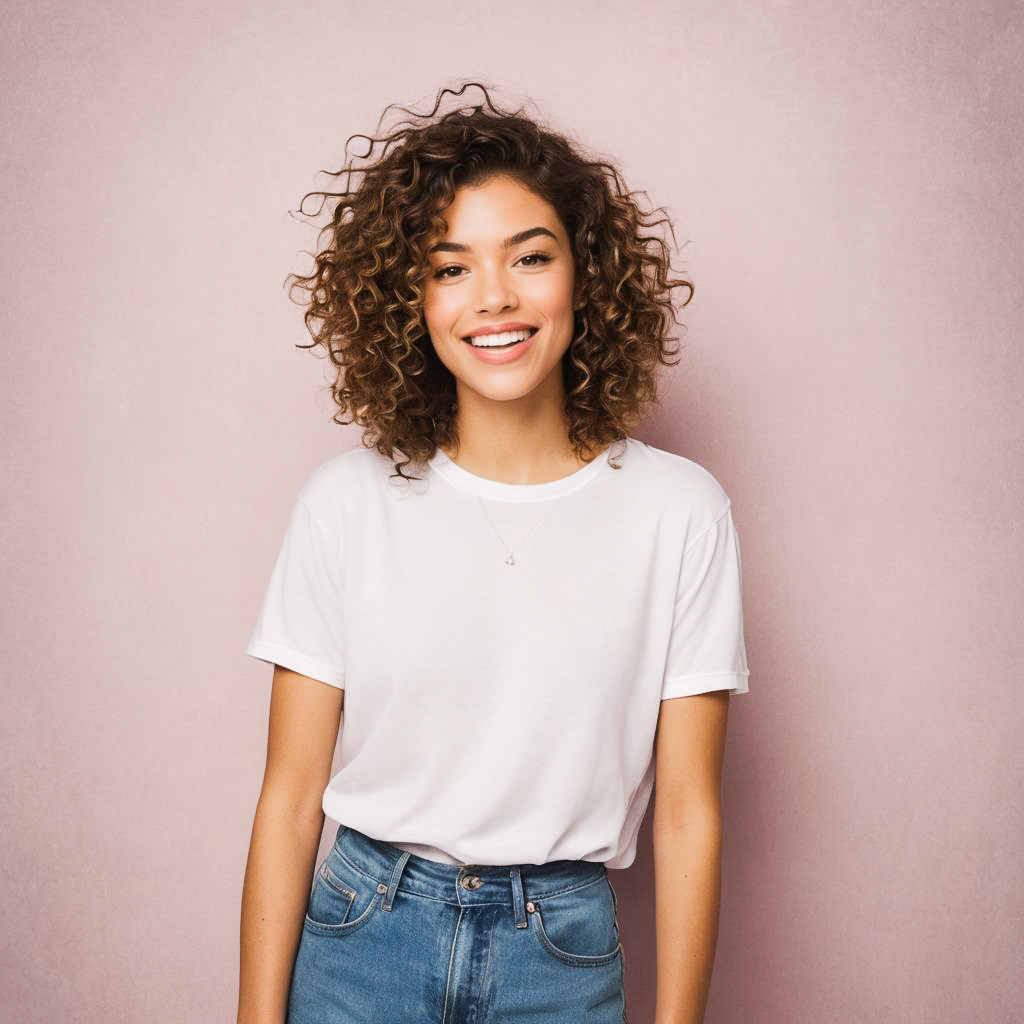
[305, 717]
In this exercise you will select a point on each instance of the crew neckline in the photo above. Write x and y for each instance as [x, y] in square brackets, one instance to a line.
[499, 490]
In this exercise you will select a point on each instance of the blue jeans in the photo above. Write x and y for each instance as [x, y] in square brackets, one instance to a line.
[393, 938]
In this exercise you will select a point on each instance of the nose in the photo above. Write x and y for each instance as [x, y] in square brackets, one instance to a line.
[493, 291]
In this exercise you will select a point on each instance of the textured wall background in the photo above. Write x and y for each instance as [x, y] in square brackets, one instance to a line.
[848, 178]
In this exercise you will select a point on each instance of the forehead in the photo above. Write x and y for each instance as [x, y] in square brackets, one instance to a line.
[493, 211]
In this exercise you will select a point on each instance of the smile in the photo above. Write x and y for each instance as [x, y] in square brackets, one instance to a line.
[507, 347]
[504, 340]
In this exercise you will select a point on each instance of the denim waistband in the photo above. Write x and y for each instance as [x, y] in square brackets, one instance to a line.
[395, 870]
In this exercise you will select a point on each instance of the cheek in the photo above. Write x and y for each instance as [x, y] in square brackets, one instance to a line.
[554, 294]
[438, 309]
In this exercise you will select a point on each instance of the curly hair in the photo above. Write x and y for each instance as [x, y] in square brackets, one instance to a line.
[364, 296]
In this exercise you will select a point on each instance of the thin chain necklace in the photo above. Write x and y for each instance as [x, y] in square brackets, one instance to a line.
[511, 560]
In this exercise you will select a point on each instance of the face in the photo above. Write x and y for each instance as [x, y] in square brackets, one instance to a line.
[505, 260]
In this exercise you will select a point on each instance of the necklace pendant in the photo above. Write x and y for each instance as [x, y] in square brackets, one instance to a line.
[511, 560]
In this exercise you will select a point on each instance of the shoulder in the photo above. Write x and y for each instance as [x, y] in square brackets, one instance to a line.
[343, 479]
[683, 486]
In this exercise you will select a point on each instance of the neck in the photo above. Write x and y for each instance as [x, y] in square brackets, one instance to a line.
[524, 440]
[537, 463]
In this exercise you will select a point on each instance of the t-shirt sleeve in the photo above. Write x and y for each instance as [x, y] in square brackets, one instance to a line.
[300, 624]
[707, 649]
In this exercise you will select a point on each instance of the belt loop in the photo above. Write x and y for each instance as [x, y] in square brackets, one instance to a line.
[396, 874]
[518, 902]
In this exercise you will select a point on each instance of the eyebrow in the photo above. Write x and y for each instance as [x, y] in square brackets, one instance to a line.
[516, 239]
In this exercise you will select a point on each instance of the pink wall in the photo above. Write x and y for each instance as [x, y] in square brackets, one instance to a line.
[849, 178]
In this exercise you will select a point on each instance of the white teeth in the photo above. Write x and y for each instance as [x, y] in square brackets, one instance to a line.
[496, 340]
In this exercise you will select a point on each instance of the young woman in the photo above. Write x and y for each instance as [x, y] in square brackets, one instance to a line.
[509, 626]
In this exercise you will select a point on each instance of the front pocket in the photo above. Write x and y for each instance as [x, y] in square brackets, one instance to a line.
[337, 906]
[578, 927]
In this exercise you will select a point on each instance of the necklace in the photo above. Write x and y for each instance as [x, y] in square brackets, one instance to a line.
[511, 560]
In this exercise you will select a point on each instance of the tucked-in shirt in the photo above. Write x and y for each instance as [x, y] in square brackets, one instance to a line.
[504, 648]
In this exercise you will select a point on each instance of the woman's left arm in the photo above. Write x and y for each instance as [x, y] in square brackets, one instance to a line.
[687, 839]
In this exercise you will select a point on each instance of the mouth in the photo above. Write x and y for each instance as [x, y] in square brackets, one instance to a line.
[500, 342]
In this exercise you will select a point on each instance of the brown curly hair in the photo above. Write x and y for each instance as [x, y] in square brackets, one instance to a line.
[365, 293]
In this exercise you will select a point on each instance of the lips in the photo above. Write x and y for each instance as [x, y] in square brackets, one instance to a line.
[468, 339]
[502, 354]
[501, 329]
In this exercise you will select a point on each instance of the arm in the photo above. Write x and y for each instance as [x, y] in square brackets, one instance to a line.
[687, 840]
[305, 715]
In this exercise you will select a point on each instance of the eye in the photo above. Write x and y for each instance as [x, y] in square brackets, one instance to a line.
[442, 272]
[542, 256]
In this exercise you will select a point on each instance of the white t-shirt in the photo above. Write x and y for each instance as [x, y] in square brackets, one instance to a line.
[496, 713]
